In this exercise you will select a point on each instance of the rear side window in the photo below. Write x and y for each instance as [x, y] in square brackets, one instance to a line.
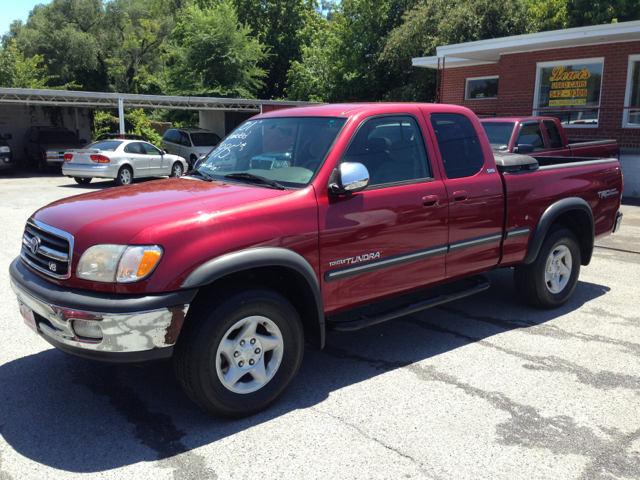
[172, 136]
[391, 148]
[184, 140]
[205, 139]
[459, 145]
[531, 135]
[555, 140]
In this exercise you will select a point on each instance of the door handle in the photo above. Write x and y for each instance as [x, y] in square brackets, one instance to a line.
[430, 200]
[459, 196]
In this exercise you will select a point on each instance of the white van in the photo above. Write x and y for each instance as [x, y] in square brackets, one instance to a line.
[189, 143]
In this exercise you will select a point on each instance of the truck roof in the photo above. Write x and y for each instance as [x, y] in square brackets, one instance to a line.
[349, 109]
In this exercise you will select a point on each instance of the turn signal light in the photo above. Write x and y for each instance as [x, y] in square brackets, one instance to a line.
[99, 159]
[67, 157]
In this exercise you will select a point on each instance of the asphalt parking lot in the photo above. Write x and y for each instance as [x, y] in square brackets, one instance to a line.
[480, 388]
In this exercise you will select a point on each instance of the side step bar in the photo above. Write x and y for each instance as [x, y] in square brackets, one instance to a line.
[475, 284]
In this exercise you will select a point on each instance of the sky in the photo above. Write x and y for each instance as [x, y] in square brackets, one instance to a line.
[14, 9]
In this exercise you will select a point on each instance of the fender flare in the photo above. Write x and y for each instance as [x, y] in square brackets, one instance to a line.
[260, 257]
[546, 220]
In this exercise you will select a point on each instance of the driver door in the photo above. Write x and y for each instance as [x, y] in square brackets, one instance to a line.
[157, 161]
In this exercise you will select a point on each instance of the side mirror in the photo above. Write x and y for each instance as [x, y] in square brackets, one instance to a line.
[8, 136]
[165, 151]
[523, 148]
[83, 141]
[349, 178]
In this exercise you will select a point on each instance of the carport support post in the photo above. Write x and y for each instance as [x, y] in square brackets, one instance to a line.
[121, 117]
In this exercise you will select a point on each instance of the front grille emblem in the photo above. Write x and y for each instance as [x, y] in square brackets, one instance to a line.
[52, 266]
[35, 244]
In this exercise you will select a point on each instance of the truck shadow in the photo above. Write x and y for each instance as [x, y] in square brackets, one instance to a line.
[79, 416]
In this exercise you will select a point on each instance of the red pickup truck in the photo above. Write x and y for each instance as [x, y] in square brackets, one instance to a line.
[543, 136]
[303, 220]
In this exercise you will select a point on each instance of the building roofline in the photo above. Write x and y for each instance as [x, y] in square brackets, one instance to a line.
[489, 51]
[110, 100]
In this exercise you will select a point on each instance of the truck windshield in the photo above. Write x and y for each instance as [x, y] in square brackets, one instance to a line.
[499, 134]
[287, 150]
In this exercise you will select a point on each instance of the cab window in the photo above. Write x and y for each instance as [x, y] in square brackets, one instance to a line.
[391, 148]
[530, 134]
[458, 143]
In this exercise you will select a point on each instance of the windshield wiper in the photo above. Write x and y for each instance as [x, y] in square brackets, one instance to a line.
[204, 175]
[257, 178]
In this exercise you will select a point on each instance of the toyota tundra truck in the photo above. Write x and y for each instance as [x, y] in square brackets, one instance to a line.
[543, 136]
[300, 221]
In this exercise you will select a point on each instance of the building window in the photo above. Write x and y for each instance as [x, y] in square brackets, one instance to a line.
[481, 88]
[631, 117]
[573, 86]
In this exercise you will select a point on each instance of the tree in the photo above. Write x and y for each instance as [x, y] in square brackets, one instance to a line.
[444, 22]
[213, 54]
[16, 71]
[102, 46]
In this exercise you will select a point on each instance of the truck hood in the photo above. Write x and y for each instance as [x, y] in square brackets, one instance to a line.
[115, 215]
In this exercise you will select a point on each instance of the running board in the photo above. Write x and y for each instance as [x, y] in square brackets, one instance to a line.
[475, 284]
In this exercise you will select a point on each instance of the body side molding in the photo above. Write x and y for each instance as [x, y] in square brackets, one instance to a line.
[260, 257]
[547, 219]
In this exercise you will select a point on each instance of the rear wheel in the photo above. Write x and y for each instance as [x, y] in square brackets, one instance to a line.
[239, 355]
[550, 280]
[176, 170]
[125, 176]
[192, 161]
[82, 181]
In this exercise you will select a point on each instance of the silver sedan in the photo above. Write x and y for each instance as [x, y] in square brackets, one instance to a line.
[122, 160]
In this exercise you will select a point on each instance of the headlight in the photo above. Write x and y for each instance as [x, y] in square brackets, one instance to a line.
[118, 263]
[5, 149]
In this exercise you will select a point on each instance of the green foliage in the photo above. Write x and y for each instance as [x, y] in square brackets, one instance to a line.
[582, 12]
[16, 71]
[136, 121]
[213, 54]
[444, 22]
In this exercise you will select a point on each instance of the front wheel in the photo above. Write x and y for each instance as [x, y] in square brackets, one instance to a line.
[125, 176]
[238, 356]
[82, 181]
[550, 280]
[176, 170]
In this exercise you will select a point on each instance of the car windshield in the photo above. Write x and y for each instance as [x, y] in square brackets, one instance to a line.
[499, 134]
[287, 150]
[204, 139]
[57, 137]
[107, 146]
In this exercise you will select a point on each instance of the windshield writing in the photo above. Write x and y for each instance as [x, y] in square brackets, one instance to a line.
[286, 150]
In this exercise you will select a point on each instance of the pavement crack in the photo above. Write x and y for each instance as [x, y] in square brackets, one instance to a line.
[355, 427]
[614, 459]
[552, 331]
[602, 380]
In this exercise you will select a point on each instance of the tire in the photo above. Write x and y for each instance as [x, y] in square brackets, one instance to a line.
[200, 357]
[545, 284]
[42, 165]
[192, 161]
[125, 176]
[176, 170]
[82, 181]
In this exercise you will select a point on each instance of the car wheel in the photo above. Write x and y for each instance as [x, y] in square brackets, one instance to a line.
[176, 170]
[82, 181]
[550, 280]
[238, 356]
[192, 161]
[125, 176]
[42, 165]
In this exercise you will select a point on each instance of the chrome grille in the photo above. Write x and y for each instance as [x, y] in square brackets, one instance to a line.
[47, 249]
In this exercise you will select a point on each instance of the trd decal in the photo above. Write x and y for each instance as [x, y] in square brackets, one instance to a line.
[608, 193]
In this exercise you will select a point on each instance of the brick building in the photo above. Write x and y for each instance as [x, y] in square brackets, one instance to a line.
[588, 77]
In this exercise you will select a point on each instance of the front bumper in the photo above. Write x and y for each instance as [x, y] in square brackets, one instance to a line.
[6, 160]
[130, 334]
[85, 170]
